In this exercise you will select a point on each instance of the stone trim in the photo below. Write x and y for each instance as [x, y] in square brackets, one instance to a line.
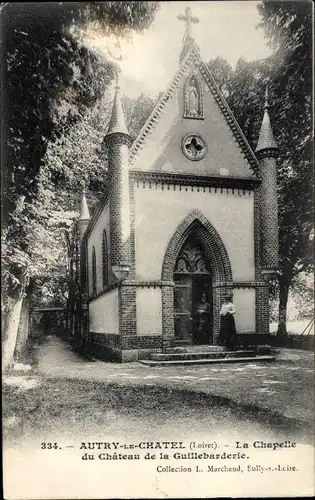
[174, 179]
[149, 284]
[240, 284]
[133, 283]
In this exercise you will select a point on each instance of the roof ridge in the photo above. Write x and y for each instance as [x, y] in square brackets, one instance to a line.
[235, 127]
[217, 94]
[156, 111]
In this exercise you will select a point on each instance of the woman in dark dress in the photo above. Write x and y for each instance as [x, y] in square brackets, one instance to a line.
[228, 337]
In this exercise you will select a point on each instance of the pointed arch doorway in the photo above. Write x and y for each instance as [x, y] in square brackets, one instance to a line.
[183, 286]
[193, 298]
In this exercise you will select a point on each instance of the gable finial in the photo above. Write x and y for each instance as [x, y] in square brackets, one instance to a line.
[188, 20]
[266, 106]
[117, 78]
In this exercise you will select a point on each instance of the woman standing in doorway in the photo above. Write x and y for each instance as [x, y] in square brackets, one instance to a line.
[228, 336]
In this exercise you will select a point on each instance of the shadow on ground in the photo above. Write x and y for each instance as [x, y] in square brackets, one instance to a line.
[68, 395]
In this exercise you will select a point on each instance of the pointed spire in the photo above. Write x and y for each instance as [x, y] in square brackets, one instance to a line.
[266, 138]
[117, 124]
[84, 209]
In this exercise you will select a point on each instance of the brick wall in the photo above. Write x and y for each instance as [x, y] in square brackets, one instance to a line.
[127, 310]
[269, 213]
[118, 154]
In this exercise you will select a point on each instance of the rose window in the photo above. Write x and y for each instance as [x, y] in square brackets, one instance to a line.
[194, 147]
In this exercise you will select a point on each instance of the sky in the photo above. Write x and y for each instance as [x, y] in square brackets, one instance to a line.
[226, 28]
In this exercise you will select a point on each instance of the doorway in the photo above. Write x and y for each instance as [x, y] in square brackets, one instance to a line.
[193, 310]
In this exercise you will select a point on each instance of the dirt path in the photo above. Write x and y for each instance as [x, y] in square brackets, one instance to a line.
[68, 399]
[284, 388]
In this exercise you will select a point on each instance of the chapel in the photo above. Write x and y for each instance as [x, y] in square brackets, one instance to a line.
[189, 215]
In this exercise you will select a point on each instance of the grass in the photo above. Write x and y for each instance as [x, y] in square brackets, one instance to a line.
[66, 395]
[74, 407]
[294, 327]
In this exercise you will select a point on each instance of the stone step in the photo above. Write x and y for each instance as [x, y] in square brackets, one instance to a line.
[194, 348]
[187, 362]
[201, 355]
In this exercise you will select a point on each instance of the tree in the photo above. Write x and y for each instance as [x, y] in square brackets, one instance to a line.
[288, 26]
[78, 155]
[137, 111]
[288, 73]
[50, 80]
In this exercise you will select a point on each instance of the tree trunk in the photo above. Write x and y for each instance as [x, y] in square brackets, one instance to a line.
[23, 330]
[284, 286]
[11, 326]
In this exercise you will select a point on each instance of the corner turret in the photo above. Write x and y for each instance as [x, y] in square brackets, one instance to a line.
[84, 216]
[118, 141]
[267, 151]
[266, 140]
[117, 123]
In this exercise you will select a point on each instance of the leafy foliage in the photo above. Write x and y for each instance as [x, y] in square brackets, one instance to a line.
[137, 112]
[50, 80]
[288, 27]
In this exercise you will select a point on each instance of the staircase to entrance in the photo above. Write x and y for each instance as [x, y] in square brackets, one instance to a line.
[207, 354]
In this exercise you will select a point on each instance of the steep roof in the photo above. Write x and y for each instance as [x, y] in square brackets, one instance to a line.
[117, 123]
[84, 209]
[266, 138]
[193, 53]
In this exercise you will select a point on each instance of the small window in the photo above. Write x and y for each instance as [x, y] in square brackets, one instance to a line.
[104, 260]
[94, 289]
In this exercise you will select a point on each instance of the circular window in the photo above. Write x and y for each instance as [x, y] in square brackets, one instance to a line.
[194, 147]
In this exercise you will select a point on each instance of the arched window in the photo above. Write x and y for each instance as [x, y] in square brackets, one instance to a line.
[94, 289]
[104, 260]
[193, 101]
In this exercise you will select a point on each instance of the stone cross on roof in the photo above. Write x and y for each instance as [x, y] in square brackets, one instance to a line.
[188, 19]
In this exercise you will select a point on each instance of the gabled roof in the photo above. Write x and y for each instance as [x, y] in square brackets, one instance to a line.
[193, 53]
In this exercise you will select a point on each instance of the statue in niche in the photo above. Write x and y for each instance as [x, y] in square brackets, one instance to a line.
[193, 102]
